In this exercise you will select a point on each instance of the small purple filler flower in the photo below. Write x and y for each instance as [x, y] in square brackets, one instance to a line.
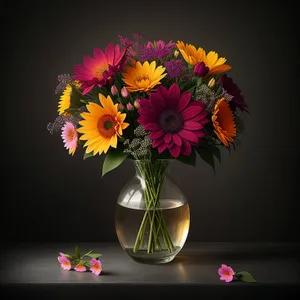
[226, 273]
[174, 68]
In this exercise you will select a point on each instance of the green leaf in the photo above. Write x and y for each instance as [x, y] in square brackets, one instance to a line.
[199, 81]
[215, 151]
[77, 252]
[207, 156]
[189, 160]
[112, 160]
[87, 155]
[88, 253]
[75, 98]
[218, 90]
[69, 256]
[72, 111]
[94, 255]
[87, 264]
[245, 276]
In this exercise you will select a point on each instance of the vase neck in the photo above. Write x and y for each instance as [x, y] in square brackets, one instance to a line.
[148, 167]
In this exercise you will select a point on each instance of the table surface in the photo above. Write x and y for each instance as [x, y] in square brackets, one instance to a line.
[33, 269]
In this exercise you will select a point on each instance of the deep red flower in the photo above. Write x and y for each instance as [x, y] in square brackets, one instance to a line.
[175, 121]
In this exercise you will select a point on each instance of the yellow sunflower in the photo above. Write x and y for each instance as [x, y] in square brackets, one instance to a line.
[101, 125]
[143, 77]
[65, 100]
[223, 121]
[212, 60]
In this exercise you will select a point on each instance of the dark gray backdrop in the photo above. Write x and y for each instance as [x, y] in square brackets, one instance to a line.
[51, 196]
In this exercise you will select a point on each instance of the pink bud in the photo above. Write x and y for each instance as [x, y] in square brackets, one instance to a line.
[129, 106]
[124, 92]
[121, 106]
[137, 103]
[114, 90]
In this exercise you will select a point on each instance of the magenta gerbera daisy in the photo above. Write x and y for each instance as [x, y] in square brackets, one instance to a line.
[100, 69]
[174, 119]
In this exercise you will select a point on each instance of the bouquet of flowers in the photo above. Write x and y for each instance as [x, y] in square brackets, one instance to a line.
[150, 100]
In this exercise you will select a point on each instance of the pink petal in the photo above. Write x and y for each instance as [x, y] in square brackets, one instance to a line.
[177, 139]
[157, 142]
[152, 126]
[174, 150]
[192, 125]
[167, 138]
[184, 101]
[99, 55]
[88, 89]
[110, 53]
[199, 133]
[155, 135]
[190, 112]
[189, 135]
[200, 116]
[88, 62]
[158, 102]
[162, 148]
[119, 55]
[173, 96]
[186, 148]
[228, 278]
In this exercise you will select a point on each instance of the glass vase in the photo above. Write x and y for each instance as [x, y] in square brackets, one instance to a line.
[152, 214]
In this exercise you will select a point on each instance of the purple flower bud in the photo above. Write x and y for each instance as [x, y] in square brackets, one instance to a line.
[124, 92]
[200, 69]
[114, 90]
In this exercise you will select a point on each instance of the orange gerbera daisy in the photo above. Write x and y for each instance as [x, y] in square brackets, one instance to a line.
[212, 60]
[143, 77]
[101, 125]
[223, 121]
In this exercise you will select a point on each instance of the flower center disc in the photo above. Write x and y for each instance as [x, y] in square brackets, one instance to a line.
[106, 126]
[170, 121]
[100, 70]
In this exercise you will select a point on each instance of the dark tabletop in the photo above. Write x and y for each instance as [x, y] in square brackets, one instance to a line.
[32, 271]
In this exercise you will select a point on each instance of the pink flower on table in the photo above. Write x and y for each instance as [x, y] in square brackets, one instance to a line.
[226, 273]
[80, 267]
[65, 264]
[96, 266]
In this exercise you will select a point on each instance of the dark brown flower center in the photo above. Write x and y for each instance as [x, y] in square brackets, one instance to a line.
[170, 121]
[106, 126]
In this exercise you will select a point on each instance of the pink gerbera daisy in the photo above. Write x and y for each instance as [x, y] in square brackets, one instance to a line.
[96, 266]
[70, 137]
[100, 69]
[174, 120]
[65, 264]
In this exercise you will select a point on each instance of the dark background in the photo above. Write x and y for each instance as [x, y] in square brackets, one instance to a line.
[51, 196]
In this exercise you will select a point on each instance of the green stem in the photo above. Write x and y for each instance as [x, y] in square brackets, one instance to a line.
[153, 175]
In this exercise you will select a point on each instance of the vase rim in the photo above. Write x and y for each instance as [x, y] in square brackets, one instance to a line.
[156, 160]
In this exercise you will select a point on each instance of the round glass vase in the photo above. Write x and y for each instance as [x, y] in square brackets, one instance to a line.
[152, 214]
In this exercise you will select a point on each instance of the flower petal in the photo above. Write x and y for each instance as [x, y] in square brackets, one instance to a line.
[156, 134]
[189, 135]
[177, 139]
[185, 99]
[174, 151]
[192, 125]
